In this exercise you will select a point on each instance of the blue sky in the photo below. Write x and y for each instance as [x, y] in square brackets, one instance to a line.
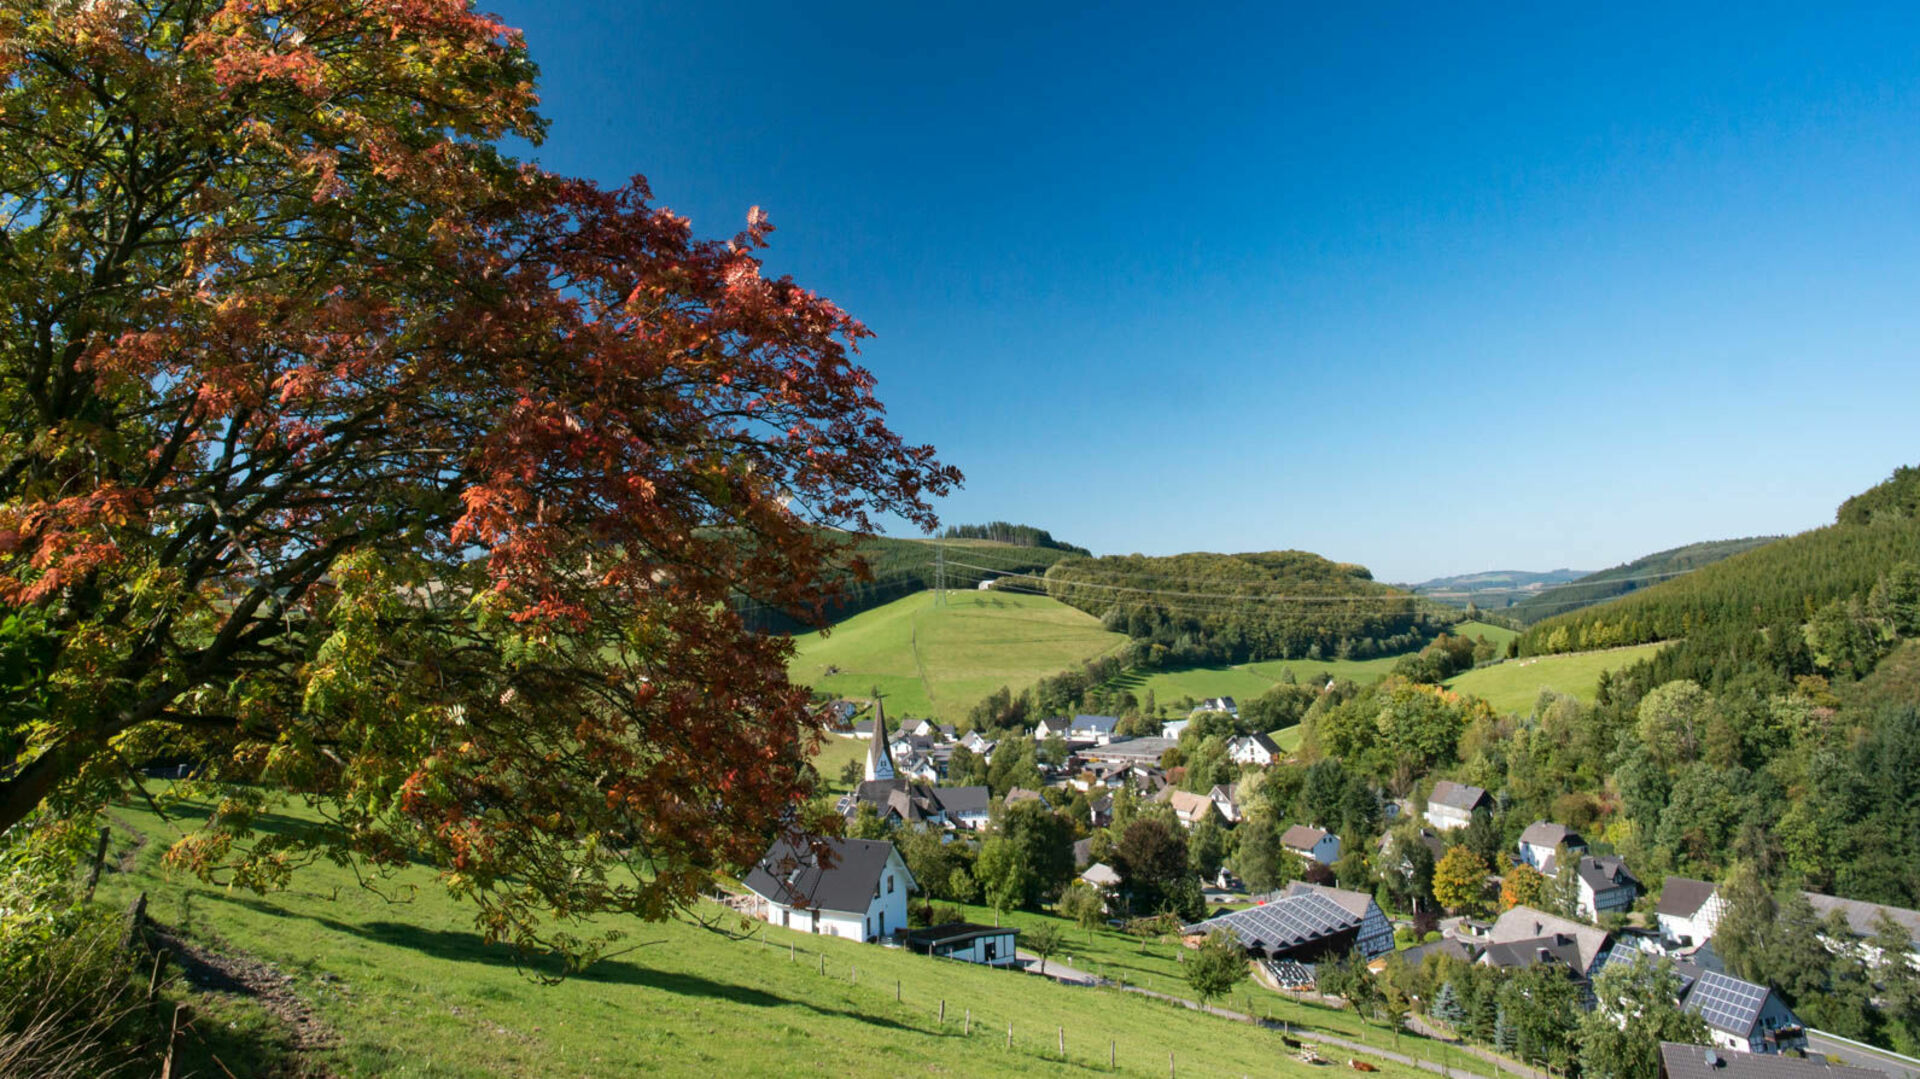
[1435, 288]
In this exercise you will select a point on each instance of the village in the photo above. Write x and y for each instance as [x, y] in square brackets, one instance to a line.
[1605, 917]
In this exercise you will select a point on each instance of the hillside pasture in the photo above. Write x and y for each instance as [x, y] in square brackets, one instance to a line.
[1245, 681]
[1499, 635]
[404, 986]
[940, 661]
[1514, 686]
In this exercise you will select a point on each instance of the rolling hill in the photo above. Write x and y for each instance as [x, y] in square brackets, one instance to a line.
[1629, 577]
[939, 661]
[1493, 590]
[1514, 686]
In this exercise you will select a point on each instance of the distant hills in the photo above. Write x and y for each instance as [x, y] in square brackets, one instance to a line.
[1493, 589]
[1629, 577]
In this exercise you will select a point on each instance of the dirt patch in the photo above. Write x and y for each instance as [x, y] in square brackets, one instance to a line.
[236, 973]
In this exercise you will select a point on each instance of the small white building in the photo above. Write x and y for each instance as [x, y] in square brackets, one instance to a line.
[1689, 910]
[1542, 839]
[1605, 885]
[1257, 749]
[1452, 805]
[1742, 1016]
[863, 896]
[988, 945]
[1312, 844]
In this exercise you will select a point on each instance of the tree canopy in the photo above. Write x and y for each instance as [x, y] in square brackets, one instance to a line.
[342, 454]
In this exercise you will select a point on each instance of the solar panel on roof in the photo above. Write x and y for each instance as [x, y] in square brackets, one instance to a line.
[1726, 1003]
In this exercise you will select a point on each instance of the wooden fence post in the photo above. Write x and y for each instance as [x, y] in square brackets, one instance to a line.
[969, 1028]
[1063, 1043]
[896, 990]
[943, 1011]
[1169, 1065]
[1110, 1054]
[823, 964]
[99, 859]
[1009, 1033]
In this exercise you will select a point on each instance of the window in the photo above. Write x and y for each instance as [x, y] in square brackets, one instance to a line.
[889, 883]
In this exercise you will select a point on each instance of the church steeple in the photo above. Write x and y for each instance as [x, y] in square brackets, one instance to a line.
[879, 756]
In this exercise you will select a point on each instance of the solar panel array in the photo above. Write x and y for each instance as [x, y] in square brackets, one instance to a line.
[1288, 974]
[1284, 923]
[1626, 955]
[1726, 1003]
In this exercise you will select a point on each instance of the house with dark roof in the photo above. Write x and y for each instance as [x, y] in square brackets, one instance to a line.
[1219, 704]
[1605, 885]
[1312, 844]
[1226, 802]
[1525, 925]
[1542, 840]
[1688, 911]
[1256, 749]
[1427, 838]
[1414, 956]
[1051, 727]
[1678, 1061]
[965, 807]
[1452, 805]
[858, 890]
[1304, 923]
[988, 945]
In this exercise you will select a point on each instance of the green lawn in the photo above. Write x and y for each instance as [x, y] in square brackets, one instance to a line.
[410, 989]
[1515, 685]
[940, 661]
[834, 755]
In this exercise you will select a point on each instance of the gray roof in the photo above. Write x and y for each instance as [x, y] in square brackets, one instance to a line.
[1284, 924]
[1554, 948]
[1690, 1062]
[1682, 897]
[1146, 750]
[1544, 833]
[792, 875]
[1526, 923]
[1104, 724]
[1264, 742]
[1301, 837]
[1726, 1002]
[1606, 872]
[1863, 917]
[1458, 795]
[958, 800]
[1448, 946]
[1624, 956]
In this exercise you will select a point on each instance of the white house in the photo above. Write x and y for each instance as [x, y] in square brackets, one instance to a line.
[1452, 805]
[1096, 729]
[1225, 801]
[1689, 911]
[1312, 844]
[965, 807]
[1172, 727]
[1526, 930]
[1190, 808]
[863, 896]
[1054, 727]
[1742, 1016]
[1605, 885]
[1219, 704]
[1542, 839]
[1253, 749]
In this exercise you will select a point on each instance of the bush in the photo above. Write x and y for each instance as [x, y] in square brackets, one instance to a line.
[70, 1011]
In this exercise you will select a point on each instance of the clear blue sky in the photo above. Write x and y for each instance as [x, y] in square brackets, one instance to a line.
[1434, 288]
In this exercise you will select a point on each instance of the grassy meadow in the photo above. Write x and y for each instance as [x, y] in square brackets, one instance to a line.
[1245, 681]
[1515, 685]
[404, 986]
[940, 661]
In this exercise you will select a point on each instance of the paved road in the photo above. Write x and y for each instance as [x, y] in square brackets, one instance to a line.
[1856, 1057]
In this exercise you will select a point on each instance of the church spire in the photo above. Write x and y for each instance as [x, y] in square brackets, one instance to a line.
[879, 755]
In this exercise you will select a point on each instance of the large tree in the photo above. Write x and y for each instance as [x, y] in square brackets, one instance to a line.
[342, 454]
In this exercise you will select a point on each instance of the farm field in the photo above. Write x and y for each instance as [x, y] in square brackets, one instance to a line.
[410, 989]
[1513, 686]
[1499, 635]
[940, 661]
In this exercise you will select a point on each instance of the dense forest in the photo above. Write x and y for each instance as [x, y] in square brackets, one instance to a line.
[1644, 572]
[1015, 535]
[1233, 608]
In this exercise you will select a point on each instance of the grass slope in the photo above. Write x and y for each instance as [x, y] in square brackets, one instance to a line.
[410, 989]
[940, 661]
[1499, 635]
[1513, 686]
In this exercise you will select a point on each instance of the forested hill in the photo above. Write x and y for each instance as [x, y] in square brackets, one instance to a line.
[901, 567]
[1232, 608]
[1493, 590]
[1016, 535]
[1780, 584]
[1640, 573]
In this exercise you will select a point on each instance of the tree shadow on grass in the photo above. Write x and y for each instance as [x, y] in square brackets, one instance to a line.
[462, 946]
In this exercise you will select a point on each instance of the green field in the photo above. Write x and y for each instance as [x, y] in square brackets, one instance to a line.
[410, 989]
[940, 661]
[1515, 685]
[1499, 635]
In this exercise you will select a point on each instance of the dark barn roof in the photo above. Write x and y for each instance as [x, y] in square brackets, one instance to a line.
[791, 874]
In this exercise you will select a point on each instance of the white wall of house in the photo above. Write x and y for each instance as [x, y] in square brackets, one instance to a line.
[1326, 851]
[1699, 927]
[1612, 899]
[997, 950]
[1446, 817]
